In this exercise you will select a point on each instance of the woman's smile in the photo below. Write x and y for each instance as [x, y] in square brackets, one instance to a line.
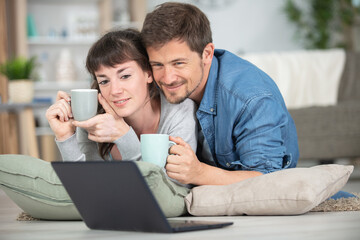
[121, 102]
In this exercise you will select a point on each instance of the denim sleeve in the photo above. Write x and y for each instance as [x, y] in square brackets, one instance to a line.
[259, 135]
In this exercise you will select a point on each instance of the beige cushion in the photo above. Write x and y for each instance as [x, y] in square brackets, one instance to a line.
[34, 186]
[287, 192]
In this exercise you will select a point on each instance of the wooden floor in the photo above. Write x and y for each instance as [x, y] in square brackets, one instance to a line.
[335, 225]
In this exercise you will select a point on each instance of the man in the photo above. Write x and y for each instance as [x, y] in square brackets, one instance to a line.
[245, 128]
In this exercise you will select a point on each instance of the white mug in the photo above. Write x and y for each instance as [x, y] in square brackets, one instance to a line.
[155, 148]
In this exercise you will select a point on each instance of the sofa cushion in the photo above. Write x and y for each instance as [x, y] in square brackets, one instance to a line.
[349, 88]
[34, 186]
[328, 132]
[287, 192]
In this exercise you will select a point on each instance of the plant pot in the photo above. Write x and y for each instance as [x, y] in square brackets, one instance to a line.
[21, 91]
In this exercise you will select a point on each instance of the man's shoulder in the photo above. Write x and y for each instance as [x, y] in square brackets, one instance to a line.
[232, 69]
[240, 77]
[228, 58]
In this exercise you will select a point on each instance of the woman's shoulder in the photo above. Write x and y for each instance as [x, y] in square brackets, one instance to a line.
[175, 119]
[186, 105]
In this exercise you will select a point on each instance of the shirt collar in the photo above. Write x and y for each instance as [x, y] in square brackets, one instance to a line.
[208, 101]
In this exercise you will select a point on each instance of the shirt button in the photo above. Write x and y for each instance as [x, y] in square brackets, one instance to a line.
[228, 164]
[211, 109]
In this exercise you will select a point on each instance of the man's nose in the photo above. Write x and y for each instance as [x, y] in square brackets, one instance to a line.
[168, 75]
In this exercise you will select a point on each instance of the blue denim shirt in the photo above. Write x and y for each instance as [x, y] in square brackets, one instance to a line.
[244, 119]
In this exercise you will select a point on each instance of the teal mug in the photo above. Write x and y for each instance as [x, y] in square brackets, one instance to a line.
[84, 103]
[155, 148]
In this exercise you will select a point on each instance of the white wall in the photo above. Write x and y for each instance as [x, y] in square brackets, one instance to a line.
[246, 25]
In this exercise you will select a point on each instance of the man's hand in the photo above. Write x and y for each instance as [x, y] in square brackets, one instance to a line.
[105, 127]
[183, 165]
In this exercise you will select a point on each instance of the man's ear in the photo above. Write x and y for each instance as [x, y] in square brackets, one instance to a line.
[208, 53]
[149, 77]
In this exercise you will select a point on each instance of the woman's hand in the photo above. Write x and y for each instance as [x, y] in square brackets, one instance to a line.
[105, 127]
[59, 116]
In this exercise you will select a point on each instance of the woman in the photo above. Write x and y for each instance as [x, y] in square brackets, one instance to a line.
[129, 105]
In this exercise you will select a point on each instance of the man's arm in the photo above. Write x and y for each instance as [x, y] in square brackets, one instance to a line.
[185, 167]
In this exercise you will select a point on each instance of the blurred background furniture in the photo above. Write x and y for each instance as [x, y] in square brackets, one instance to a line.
[332, 132]
[23, 126]
[323, 97]
[28, 28]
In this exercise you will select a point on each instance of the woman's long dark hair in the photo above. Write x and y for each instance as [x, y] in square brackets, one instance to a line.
[117, 47]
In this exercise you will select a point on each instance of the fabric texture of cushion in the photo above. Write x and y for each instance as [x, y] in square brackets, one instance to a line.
[34, 186]
[287, 192]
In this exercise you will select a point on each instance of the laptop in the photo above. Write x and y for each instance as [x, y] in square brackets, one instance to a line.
[115, 196]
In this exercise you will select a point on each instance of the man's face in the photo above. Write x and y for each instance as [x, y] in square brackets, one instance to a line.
[178, 71]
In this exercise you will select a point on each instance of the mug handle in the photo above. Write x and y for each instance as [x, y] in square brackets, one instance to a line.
[171, 143]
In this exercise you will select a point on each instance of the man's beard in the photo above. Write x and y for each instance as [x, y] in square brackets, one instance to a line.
[174, 98]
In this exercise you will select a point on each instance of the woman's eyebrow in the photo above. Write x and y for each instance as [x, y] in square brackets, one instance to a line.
[117, 72]
[100, 75]
[121, 70]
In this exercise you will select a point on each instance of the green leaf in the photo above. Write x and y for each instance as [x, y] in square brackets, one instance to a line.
[18, 68]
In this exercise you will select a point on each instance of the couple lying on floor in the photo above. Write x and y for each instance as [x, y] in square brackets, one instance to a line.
[170, 79]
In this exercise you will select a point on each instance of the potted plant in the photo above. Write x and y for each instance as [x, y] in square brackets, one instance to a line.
[20, 72]
[326, 23]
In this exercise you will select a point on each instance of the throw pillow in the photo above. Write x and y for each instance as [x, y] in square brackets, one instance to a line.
[287, 192]
[34, 186]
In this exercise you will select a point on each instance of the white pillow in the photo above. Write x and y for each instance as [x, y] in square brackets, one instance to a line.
[287, 192]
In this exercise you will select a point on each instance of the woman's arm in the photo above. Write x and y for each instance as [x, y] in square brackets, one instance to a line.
[78, 147]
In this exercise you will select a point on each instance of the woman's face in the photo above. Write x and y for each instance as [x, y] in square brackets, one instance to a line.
[125, 87]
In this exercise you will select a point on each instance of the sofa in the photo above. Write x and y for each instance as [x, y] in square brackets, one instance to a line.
[328, 130]
[332, 132]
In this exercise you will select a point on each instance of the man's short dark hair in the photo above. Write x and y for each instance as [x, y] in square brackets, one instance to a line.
[177, 21]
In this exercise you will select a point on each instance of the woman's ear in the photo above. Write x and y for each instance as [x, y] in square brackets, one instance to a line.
[208, 53]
